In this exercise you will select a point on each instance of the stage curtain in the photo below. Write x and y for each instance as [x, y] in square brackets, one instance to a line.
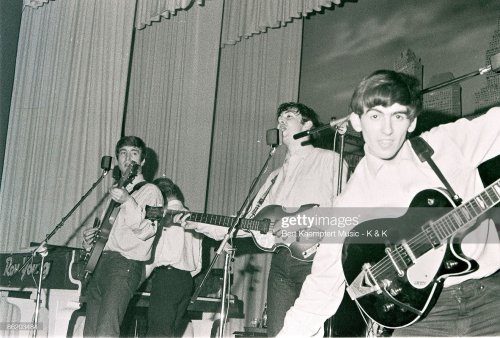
[35, 3]
[241, 18]
[149, 11]
[255, 76]
[172, 95]
[66, 112]
[245, 18]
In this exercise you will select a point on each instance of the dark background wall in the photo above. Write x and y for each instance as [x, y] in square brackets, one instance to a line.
[10, 21]
[343, 45]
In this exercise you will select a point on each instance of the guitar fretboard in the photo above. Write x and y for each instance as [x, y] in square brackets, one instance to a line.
[226, 221]
[437, 232]
[449, 224]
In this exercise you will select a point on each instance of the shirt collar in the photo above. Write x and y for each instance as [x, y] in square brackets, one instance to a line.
[374, 163]
[174, 203]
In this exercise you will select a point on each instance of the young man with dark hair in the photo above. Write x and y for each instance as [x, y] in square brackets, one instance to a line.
[122, 263]
[384, 108]
[309, 175]
[177, 259]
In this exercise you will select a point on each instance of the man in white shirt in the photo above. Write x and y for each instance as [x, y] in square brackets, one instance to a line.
[121, 265]
[309, 175]
[385, 106]
[177, 259]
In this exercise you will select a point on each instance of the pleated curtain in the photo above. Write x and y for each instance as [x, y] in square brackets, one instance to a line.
[172, 95]
[84, 77]
[66, 112]
[255, 76]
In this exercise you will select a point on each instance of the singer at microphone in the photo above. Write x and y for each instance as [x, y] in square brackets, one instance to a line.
[334, 124]
[308, 175]
[121, 244]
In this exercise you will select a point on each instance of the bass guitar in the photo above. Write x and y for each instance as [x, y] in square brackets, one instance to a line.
[102, 235]
[265, 228]
[398, 283]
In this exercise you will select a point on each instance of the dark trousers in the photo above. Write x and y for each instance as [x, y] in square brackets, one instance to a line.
[286, 277]
[171, 291]
[467, 309]
[113, 284]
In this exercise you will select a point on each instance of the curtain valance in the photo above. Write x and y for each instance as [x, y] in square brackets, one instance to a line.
[243, 19]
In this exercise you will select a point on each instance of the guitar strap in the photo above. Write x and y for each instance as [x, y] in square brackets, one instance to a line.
[424, 152]
[262, 198]
[137, 187]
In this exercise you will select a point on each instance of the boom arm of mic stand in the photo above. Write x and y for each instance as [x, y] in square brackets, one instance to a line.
[42, 250]
[61, 223]
[481, 71]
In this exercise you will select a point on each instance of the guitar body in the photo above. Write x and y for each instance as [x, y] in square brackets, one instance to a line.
[399, 287]
[101, 238]
[291, 236]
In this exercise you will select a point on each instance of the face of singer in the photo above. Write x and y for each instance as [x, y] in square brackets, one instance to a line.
[384, 129]
[290, 123]
[126, 155]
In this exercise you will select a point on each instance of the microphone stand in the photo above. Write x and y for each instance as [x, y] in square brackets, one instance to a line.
[341, 131]
[43, 251]
[230, 252]
[480, 71]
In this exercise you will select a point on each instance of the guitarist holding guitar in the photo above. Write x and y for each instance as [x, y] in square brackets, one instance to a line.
[308, 176]
[440, 277]
[121, 245]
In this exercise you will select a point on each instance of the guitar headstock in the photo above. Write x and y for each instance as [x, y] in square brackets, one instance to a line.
[129, 174]
[154, 213]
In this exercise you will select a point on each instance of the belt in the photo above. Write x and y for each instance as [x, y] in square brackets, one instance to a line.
[169, 267]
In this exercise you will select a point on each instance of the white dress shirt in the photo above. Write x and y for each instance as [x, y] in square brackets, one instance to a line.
[459, 148]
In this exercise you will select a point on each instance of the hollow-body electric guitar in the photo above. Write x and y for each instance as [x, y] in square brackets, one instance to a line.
[102, 235]
[266, 228]
[397, 284]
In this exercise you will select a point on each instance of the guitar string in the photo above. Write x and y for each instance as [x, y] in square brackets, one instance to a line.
[383, 265]
[447, 221]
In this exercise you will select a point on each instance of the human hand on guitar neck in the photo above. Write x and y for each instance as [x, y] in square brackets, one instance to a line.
[88, 238]
[119, 195]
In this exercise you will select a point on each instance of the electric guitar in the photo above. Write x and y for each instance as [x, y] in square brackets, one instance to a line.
[266, 228]
[397, 284]
[102, 235]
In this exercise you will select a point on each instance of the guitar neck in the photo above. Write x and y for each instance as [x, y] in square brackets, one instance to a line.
[448, 225]
[226, 221]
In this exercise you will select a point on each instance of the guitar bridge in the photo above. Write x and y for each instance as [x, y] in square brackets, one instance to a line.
[363, 284]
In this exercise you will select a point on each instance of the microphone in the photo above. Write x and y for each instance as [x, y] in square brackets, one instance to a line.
[106, 163]
[273, 137]
[339, 125]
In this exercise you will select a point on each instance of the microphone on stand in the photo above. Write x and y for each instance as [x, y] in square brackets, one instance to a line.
[106, 163]
[273, 137]
[339, 125]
